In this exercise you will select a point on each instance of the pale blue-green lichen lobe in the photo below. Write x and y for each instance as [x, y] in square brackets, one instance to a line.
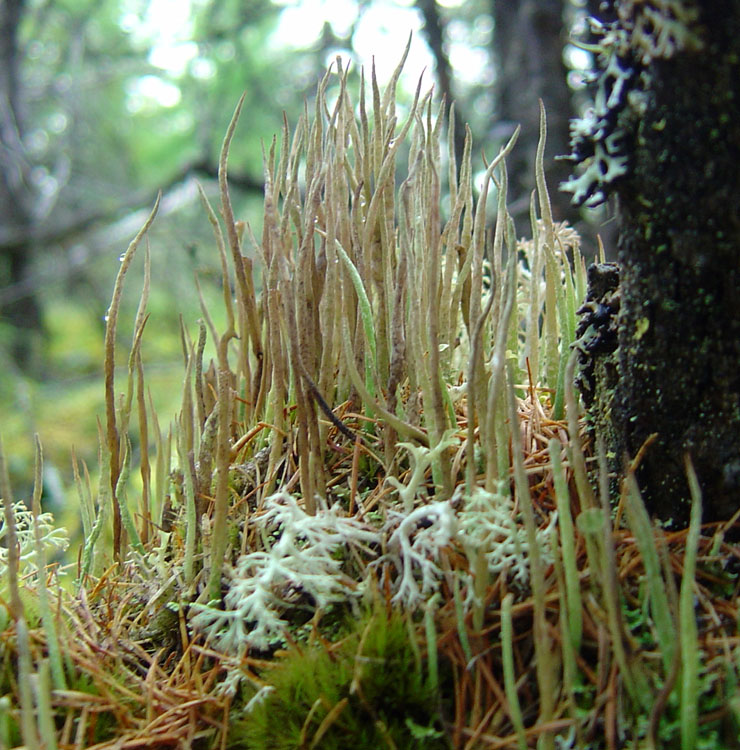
[602, 139]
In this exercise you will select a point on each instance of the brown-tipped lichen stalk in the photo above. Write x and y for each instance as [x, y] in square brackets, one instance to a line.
[113, 437]
[225, 396]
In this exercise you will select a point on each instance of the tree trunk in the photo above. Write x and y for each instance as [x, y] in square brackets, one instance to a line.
[529, 37]
[675, 150]
[16, 213]
[434, 32]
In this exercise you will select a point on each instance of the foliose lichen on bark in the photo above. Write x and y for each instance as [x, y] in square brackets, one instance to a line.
[675, 115]
[602, 140]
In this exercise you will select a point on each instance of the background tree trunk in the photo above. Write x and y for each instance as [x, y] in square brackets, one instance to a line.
[678, 359]
[529, 36]
[16, 197]
[434, 32]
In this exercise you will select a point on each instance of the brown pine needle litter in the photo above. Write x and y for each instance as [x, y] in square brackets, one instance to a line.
[378, 519]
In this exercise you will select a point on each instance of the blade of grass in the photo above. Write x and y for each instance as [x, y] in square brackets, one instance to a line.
[47, 618]
[219, 529]
[568, 647]
[104, 504]
[507, 655]
[242, 265]
[639, 523]
[403, 428]
[366, 313]
[577, 459]
[462, 631]
[568, 547]
[126, 518]
[690, 650]
[144, 464]
[552, 282]
[27, 722]
[431, 638]
[84, 497]
[611, 589]
[47, 729]
[494, 439]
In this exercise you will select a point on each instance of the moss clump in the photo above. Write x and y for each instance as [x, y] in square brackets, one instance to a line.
[369, 691]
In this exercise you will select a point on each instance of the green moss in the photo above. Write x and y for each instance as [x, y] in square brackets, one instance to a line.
[369, 692]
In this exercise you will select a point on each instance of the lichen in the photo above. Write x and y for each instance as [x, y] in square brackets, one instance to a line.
[415, 548]
[488, 523]
[54, 540]
[659, 28]
[601, 139]
[302, 562]
[302, 565]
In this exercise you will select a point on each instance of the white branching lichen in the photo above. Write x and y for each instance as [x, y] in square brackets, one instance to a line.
[415, 548]
[487, 524]
[305, 562]
[422, 458]
[54, 540]
[302, 564]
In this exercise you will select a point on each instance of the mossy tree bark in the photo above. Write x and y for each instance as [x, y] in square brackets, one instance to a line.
[678, 356]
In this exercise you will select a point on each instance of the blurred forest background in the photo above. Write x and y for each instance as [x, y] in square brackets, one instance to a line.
[103, 103]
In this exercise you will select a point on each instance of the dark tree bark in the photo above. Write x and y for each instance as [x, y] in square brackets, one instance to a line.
[529, 36]
[677, 364]
[16, 196]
